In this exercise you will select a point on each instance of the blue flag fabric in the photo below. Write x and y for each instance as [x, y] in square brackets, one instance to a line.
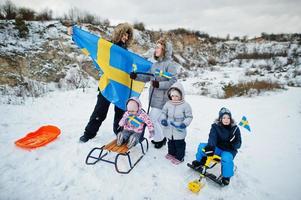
[244, 123]
[115, 64]
[87, 42]
[177, 127]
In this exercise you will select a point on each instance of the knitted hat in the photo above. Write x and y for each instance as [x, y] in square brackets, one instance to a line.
[223, 111]
[132, 105]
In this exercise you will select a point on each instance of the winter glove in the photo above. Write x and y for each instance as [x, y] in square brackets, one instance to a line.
[164, 122]
[155, 84]
[208, 150]
[151, 134]
[182, 126]
[133, 75]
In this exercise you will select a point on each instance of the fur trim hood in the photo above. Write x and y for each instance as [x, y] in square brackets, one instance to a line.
[120, 30]
[167, 50]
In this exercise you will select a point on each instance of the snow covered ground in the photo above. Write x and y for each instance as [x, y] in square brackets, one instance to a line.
[268, 163]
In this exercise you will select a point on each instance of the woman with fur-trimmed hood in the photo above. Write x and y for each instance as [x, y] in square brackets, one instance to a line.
[159, 85]
[121, 36]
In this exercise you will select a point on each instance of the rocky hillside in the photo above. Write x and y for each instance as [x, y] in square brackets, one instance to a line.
[46, 59]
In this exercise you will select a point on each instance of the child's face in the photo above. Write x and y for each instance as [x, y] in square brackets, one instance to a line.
[132, 107]
[226, 119]
[132, 112]
[175, 98]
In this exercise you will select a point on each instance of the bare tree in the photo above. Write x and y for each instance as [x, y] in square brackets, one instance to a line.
[139, 26]
[88, 18]
[9, 10]
[45, 15]
[73, 14]
[228, 37]
[26, 14]
[106, 22]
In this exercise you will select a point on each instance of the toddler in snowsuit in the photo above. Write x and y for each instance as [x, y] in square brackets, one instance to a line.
[132, 123]
[224, 140]
[176, 116]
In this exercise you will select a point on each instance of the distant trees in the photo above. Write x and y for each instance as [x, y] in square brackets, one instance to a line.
[9, 10]
[281, 37]
[44, 15]
[139, 26]
[26, 14]
[75, 15]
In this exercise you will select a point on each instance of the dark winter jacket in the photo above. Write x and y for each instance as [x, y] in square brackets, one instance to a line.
[220, 137]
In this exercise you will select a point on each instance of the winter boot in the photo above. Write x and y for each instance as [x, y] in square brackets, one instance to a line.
[169, 157]
[160, 144]
[203, 160]
[176, 161]
[153, 141]
[196, 164]
[119, 139]
[83, 139]
[132, 142]
[226, 180]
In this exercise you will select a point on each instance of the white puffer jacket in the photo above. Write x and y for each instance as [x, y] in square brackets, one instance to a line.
[176, 113]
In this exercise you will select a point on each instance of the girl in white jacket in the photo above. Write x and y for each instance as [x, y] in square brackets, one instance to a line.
[176, 116]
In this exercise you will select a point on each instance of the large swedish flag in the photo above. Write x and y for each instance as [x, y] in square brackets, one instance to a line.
[115, 63]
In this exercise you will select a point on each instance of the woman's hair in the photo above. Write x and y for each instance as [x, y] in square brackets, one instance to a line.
[163, 42]
[120, 30]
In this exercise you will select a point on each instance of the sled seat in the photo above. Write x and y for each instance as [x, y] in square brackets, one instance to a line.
[97, 154]
[112, 146]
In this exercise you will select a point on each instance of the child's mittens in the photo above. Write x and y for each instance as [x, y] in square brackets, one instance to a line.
[182, 126]
[209, 150]
[155, 84]
[164, 122]
[151, 134]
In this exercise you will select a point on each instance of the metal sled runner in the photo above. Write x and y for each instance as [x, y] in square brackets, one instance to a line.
[122, 150]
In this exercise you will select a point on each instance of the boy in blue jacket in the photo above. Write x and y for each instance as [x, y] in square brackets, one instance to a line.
[224, 140]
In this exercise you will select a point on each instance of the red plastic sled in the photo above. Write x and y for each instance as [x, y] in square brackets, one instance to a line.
[40, 137]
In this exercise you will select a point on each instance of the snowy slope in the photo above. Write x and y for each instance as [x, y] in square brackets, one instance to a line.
[268, 164]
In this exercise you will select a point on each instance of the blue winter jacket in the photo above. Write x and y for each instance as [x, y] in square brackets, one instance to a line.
[220, 137]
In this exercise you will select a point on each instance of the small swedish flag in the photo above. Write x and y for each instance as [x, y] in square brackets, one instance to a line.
[244, 123]
[160, 73]
[134, 120]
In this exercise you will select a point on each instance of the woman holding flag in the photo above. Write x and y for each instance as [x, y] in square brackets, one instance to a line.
[122, 36]
[165, 71]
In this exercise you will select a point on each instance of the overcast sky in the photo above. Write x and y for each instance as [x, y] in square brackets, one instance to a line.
[216, 17]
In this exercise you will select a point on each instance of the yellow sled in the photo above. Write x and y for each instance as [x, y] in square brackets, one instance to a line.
[196, 185]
